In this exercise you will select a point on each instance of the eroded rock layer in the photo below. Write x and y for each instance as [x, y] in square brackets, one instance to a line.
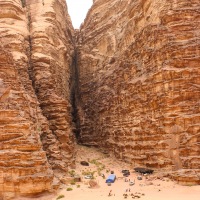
[23, 163]
[51, 43]
[139, 83]
[35, 54]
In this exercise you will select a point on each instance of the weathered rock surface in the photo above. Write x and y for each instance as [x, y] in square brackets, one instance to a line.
[140, 83]
[36, 140]
[137, 95]
[52, 48]
[23, 163]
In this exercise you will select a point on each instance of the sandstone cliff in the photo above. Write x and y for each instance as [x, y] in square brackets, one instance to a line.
[139, 83]
[36, 142]
[52, 48]
[137, 95]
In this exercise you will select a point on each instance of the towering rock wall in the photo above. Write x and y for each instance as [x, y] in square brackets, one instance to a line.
[52, 48]
[23, 163]
[138, 67]
[36, 140]
[139, 83]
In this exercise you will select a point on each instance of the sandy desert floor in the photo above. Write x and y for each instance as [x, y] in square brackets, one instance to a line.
[154, 187]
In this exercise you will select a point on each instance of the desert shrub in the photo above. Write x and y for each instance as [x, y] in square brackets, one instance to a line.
[60, 196]
[88, 172]
[69, 189]
[100, 168]
[72, 172]
[73, 182]
[95, 162]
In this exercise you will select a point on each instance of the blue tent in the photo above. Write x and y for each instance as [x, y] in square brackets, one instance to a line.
[111, 178]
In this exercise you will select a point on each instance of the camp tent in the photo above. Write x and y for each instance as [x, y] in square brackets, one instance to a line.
[111, 178]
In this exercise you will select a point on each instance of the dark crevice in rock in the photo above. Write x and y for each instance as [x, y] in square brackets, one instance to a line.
[23, 3]
[75, 95]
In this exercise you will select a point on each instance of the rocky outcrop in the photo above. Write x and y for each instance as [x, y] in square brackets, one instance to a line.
[23, 163]
[36, 142]
[52, 48]
[132, 80]
[139, 83]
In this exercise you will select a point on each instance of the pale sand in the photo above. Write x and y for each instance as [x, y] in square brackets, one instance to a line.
[162, 189]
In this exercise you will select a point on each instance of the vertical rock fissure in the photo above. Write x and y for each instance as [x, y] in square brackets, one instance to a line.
[74, 88]
[23, 3]
[127, 82]
[29, 42]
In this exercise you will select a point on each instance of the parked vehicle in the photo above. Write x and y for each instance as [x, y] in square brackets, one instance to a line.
[88, 177]
[126, 175]
[111, 178]
[143, 170]
[131, 183]
[84, 163]
[125, 171]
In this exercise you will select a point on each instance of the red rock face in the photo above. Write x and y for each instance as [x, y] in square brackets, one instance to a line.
[51, 42]
[138, 67]
[23, 163]
[139, 83]
[36, 142]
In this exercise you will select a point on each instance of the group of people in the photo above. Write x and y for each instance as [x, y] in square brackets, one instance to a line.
[127, 180]
[110, 193]
[128, 190]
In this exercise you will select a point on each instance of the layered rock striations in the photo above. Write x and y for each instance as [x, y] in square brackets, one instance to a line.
[52, 49]
[23, 163]
[36, 142]
[139, 83]
[131, 82]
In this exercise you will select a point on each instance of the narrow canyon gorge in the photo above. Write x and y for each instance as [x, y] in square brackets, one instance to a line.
[127, 82]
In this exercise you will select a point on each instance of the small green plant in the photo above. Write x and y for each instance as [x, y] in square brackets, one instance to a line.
[69, 189]
[60, 196]
[72, 173]
[78, 186]
[95, 162]
[39, 129]
[87, 172]
[92, 173]
[100, 168]
[73, 182]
